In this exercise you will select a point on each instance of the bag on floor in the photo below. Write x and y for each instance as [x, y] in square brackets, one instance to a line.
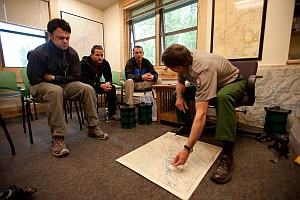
[150, 100]
[16, 193]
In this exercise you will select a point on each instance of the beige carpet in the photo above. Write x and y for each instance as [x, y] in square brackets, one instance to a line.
[153, 161]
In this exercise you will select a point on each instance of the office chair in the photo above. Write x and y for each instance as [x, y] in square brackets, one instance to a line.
[248, 70]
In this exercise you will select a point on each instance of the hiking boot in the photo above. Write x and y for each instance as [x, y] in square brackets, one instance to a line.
[96, 132]
[223, 171]
[59, 148]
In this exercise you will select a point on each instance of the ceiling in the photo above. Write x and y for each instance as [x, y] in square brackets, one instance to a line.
[101, 4]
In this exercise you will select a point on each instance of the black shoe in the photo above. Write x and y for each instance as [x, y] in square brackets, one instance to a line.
[179, 131]
[223, 172]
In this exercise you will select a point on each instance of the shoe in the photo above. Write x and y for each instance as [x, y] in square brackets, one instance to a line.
[180, 131]
[115, 117]
[97, 133]
[224, 170]
[59, 148]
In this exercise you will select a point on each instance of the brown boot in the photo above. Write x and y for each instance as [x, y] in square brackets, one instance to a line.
[223, 172]
[96, 132]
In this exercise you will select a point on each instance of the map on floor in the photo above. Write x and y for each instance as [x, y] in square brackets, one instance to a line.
[180, 181]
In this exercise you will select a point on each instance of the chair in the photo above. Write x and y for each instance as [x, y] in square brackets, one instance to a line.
[248, 70]
[12, 146]
[25, 94]
[135, 91]
[10, 89]
[102, 96]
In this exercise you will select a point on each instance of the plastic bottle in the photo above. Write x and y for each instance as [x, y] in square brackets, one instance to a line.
[106, 115]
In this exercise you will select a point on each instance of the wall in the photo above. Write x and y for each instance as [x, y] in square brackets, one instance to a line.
[280, 86]
[112, 37]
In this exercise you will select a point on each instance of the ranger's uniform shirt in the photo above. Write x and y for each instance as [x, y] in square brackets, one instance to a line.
[208, 72]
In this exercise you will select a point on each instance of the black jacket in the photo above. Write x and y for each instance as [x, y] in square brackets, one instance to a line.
[132, 70]
[89, 74]
[47, 58]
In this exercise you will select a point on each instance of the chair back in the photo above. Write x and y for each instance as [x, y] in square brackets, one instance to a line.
[247, 69]
[8, 80]
[23, 73]
[116, 78]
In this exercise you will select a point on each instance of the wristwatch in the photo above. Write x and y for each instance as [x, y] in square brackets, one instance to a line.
[189, 149]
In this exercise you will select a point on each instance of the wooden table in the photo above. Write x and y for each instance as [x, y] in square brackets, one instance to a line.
[165, 109]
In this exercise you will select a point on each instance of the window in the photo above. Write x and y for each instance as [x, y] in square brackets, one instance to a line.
[178, 24]
[16, 41]
[143, 34]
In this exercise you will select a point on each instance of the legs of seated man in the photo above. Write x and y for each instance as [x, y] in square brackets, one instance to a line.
[226, 128]
[129, 89]
[111, 99]
[88, 99]
[131, 86]
[53, 95]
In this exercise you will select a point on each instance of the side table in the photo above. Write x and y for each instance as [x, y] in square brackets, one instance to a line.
[165, 109]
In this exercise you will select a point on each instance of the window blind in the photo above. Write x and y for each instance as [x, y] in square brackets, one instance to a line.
[32, 13]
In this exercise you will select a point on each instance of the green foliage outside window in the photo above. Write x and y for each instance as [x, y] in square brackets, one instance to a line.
[149, 49]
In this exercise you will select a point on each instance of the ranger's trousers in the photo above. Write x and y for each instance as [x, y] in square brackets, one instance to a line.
[225, 103]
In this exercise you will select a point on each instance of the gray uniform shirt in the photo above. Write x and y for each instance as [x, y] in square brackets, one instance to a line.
[209, 72]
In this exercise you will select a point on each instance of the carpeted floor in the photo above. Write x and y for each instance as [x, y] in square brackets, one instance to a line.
[91, 172]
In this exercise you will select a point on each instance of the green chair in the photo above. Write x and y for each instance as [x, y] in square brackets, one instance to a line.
[102, 96]
[9, 89]
[25, 94]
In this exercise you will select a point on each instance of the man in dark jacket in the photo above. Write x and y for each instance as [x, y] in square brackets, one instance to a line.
[140, 74]
[92, 69]
[54, 71]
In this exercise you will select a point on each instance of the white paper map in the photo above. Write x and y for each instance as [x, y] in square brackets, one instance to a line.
[153, 161]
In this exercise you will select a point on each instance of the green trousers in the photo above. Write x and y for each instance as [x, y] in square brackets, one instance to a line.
[225, 103]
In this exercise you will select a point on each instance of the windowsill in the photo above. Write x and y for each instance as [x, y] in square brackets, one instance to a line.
[294, 61]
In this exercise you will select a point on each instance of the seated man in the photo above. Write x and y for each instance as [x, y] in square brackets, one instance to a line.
[92, 68]
[140, 74]
[214, 77]
[53, 71]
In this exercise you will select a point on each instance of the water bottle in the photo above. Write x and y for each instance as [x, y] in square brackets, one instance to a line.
[106, 115]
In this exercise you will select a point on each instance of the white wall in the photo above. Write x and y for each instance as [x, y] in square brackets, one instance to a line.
[112, 37]
[81, 9]
[277, 32]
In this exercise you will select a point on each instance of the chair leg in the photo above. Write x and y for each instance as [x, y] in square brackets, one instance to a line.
[70, 108]
[78, 115]
[97, 103]
[23, 114]
[28, 112]
[36, 117]
[66, 110]
[12, 147]
[80, 107]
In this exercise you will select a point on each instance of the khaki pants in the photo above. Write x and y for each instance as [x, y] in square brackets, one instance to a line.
[131, 86]
[54, 96]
